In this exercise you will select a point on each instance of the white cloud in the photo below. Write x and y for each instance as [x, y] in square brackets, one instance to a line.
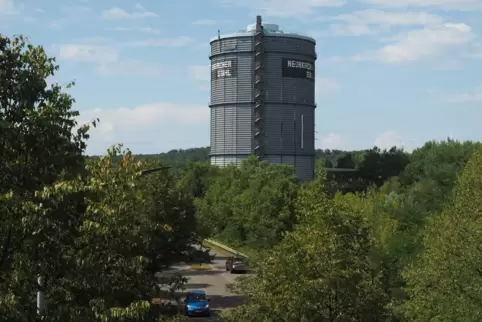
[388, 140]
[148, 30]
[130, 68]
[210, 22]
[107, 57]
[75, 9]
[205, 22]
[70, 15]
[88, 53]
[118, 13]
[29, 19]
[284, 8]
[8, 7]
[149, 115]
[367, 22]
[165, 42]
[325, 86]
[201, 73]
[352, 29]
[475, 52]
[50, 80]
[331, 141]
[331, 60]
[424, 43]
[439, 4]
[449, 64]
[472, 96]
[149, 127]
[120, 29]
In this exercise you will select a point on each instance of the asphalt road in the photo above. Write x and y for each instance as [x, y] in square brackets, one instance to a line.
[214, 281]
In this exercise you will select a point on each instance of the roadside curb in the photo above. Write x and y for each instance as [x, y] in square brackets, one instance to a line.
[224, 247]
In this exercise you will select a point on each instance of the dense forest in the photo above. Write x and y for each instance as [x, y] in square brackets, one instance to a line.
[396, 240]
[179, 158]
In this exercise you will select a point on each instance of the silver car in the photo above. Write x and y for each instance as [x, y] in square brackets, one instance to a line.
[236, 264]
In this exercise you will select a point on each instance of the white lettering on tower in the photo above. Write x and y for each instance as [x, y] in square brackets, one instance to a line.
[225, 68]
[222, 64]
[299, 64]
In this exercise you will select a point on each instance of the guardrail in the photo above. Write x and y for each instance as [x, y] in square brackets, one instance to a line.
[224, 247]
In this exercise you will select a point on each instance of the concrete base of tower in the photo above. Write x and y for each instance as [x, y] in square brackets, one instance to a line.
[225, 160]
[303, 164]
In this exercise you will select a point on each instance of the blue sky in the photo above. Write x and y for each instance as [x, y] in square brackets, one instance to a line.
[389, 72]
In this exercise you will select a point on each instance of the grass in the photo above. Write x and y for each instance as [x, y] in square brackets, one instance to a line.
[200, 267]
[221, 251]
[216, 249]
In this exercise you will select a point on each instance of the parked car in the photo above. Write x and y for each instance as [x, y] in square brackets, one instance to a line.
[236, 264]
[196, 303]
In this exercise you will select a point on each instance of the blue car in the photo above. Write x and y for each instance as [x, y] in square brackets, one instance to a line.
[196, 303]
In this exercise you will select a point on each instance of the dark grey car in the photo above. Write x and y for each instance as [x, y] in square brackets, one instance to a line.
[236, 264]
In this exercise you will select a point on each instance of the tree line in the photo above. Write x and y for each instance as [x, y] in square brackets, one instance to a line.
[406, 249]
[398, 239]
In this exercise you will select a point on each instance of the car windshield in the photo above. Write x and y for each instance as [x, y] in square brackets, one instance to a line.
[239, 259]
[196, 298]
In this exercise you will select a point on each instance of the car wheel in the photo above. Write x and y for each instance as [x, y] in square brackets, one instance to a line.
[232, 272]
[227, 268]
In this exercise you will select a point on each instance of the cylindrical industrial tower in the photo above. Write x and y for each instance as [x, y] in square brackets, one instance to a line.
[263, 98]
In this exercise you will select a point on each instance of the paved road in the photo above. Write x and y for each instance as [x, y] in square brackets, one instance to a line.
[214, 282]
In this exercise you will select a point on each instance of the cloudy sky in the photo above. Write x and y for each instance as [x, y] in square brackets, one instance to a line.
[389, 72]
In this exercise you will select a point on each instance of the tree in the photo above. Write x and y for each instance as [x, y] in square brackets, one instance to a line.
[196, 178]
[168, 203]
[346, 161]
[37, 138]
[433, 170]
[251, 205]
[38, 146]
[412, 199]
[445, 283]
[177, 158]
[313, 197]
[92, 245]
[77, 225]
[319, 272]
[379, 166]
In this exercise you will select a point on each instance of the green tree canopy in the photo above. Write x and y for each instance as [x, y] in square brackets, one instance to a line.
[38, 144]
[319, 272]
[446, 281]
[433, 169]
[92, 244]
[89, 229]
[250, 205]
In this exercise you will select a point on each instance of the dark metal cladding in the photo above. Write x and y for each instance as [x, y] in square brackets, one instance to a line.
[231, 102]
[286, 113]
